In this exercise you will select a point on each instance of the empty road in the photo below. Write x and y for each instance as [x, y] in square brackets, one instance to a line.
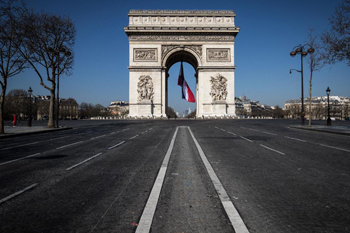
[176, 176]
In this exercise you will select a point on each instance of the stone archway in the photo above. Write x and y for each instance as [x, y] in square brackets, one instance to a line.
[158, 39]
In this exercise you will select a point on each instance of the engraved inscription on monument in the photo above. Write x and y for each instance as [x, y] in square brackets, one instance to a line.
[218, 87]
[145, 88]
[218, 55]
[145, 55]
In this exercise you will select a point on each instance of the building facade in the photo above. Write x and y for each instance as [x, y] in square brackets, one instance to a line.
[339, 108]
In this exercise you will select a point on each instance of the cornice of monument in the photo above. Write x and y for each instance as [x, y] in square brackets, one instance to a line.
[181, 13]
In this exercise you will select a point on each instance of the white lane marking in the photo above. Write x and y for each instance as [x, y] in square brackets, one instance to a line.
[231, 211]
[19, 159]
[297, 139]
[116, 145]
[337, 148]
[254, 130]
[32, 143]
[269, 133]
[223, 130]
[68, 145]
[246, 139]
[150, 208]
[243, 127]
[216, 127]
[98, 137]
[273, 149]
[17, 193]
[231, 133]
[86, 160]
[133, 137]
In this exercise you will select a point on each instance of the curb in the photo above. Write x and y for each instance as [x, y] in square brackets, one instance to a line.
[31, 133]
[320, 130]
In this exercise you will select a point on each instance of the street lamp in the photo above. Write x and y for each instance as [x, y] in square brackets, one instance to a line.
[66, 53]
[329, 121]
[301, 49]
[30, 107]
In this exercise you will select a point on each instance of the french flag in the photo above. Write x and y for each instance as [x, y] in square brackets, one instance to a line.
[186, 91]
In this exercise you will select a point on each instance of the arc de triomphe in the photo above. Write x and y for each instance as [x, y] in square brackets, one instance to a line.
[160, 38]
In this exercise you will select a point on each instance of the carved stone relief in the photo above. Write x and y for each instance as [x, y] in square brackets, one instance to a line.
[145, 55]
[145, 88]
[218, 87]
[218, 55]
[196, 48]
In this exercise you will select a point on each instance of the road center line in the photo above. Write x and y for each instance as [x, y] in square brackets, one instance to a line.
[116, 145]
[68, 145]
[150, 208]
[246, 139]
[19, 159]
[273, 149]
[18, 193]
[297, 139]
[337, 148]
[231, 133]
[86, 160]
[231, 211]
[32, 143]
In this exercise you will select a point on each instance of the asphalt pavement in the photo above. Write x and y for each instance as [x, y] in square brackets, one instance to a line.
[176, 176]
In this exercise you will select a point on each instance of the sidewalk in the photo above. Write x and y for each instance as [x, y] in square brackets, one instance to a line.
[25, 130]
[344, 130]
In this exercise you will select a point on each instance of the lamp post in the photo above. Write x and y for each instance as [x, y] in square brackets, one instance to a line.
[30, 107]
[329, 121]
[301, 49]
[66, 53]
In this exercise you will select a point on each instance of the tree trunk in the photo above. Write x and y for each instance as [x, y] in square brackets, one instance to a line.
[310, 104]
[2, 101]
[51, 123]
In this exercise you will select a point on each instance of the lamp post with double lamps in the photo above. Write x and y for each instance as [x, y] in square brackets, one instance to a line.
[66, 53]
[30, 107]
[301, 49]
[329, 121]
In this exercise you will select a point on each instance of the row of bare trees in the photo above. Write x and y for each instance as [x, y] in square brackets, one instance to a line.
[41, 41]
[335, 46]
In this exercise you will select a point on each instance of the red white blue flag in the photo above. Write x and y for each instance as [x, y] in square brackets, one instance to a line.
[186, 91]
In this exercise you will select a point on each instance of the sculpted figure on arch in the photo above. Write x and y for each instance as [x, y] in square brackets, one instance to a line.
[218, 87]
[145, 88]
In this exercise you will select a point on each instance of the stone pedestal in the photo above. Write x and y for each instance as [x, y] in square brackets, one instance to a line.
[219, 108]
[144, 108]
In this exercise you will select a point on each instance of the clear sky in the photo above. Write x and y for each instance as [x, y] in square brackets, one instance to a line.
[269, 31]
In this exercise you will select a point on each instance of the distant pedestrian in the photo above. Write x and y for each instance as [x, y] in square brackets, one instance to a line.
[14, 120]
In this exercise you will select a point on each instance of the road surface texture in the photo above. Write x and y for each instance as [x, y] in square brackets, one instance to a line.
[176, 176]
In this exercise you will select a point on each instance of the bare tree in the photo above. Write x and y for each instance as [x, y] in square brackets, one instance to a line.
[336, 40]
[49, 44]
[315, 61]
[11, 63]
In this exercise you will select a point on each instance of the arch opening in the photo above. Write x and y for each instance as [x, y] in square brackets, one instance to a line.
[172, 61]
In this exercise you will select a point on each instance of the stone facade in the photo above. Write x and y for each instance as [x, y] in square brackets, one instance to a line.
[160, 38]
